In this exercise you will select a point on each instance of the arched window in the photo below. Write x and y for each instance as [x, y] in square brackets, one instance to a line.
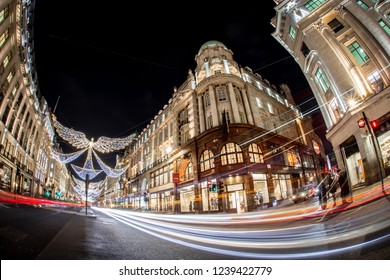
[207, 100]
[231, 153]
[206, 160]
[255, 153]
[189, 173]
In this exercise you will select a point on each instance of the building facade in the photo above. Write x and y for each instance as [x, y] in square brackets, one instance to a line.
[26, 129]
[343, 49]
[226, 138]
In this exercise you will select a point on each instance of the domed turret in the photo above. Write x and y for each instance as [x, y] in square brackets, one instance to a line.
[209, 44]
[214, 58]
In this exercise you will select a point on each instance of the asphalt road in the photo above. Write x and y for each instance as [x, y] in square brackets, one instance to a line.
[63, 234]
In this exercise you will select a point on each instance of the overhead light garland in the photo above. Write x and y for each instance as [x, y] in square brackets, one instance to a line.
[114, 173]
[66, 158]
[104, 145]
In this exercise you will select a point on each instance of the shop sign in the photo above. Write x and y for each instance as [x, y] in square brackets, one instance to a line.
[176, 178]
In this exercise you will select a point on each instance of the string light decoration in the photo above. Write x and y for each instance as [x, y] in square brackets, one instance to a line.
[66, 158]
[93, 189]
[104, 145]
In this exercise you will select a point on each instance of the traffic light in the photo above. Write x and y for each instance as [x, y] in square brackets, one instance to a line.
[361, 122]
[374, 124]
[214, 188]
[221, 187]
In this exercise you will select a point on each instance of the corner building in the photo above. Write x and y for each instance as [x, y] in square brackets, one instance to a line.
[225, 137]
[343, 49]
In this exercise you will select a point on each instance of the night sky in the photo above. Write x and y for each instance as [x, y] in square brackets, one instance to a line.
[115, 66]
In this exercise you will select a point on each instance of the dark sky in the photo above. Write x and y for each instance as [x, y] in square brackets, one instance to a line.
[114, 66]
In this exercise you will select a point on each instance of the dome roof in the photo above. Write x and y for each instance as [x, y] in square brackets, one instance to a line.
[211, 44]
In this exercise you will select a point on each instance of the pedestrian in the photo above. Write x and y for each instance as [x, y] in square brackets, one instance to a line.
[344, 186]
[190, 206]
[333, 188]
[322, 195]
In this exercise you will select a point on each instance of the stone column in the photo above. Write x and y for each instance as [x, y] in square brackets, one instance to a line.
[247, 107]
[201, 113]
[213, 104]
[233, 102]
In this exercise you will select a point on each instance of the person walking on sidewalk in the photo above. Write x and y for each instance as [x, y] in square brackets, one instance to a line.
[333, 188]
[322, 195]
[343, 183]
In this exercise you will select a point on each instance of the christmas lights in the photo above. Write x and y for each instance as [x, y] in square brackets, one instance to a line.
[114, 173]
[103, 144]
[66, 158]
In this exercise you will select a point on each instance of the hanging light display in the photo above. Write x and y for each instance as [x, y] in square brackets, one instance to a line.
[104, 145]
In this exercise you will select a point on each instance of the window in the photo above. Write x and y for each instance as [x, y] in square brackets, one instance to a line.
[292, 33]
[189, 173]
[270, 108]
[384, 26]
[6, 60]
[4, 14]
[183, 117]
[231, 153]
[358, 52]
[3, 38]
[242, 117]
[206, 160]
[259, 85]
[293, 158]
[335, 25]
[238, 96]
[362, 4]
[305, 50]
[221, 94]
[376, 81]
[259, 102]
[207, 100]
[209, 122]
[314, 4]
[255, 154]
[217, 72]
[336, 109]
[321, 80]
[10, 76]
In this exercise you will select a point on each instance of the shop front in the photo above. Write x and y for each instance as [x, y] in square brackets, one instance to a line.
[209, 197]
[187, 199]
[235, 198]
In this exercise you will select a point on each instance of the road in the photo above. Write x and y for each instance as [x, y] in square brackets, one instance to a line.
[294, 232]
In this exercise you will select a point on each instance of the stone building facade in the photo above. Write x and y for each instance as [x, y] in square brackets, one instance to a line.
[26, 130]
[343, 49]
[226, 138]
